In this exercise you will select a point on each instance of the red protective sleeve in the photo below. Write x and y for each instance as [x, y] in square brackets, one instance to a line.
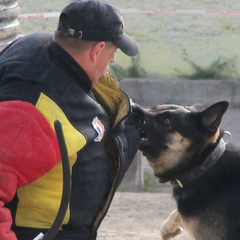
[28, 149]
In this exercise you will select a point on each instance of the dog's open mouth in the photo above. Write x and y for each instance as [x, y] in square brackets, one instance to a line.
[149, 147]
[144, 142]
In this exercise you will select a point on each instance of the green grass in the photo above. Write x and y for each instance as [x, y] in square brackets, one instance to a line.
[221, 68]
[134, 70]
[162, 37]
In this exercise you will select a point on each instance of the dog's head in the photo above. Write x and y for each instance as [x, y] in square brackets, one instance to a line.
[173, 136]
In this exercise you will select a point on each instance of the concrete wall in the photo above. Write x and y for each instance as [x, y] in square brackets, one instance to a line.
[149, 92]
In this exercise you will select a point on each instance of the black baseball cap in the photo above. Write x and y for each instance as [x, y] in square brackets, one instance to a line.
[96, 20]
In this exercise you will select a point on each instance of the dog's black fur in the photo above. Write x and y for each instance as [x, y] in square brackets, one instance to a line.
[177, 140]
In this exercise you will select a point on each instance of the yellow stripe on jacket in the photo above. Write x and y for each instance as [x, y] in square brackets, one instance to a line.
[39, 202]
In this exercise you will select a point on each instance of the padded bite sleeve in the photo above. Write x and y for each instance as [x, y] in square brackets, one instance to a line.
[28, 149]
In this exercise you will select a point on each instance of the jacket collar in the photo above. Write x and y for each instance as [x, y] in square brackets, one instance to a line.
[61, 58]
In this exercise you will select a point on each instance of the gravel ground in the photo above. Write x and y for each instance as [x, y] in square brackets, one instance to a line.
[138, 216]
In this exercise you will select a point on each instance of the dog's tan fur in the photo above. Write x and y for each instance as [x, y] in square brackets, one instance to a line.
[176, 150]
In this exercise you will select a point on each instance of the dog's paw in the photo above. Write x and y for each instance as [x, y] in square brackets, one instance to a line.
[172, 226]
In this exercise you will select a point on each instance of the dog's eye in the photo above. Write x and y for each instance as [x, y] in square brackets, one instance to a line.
[165, 122]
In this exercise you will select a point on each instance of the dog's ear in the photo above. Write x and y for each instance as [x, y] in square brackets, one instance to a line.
[211, 117]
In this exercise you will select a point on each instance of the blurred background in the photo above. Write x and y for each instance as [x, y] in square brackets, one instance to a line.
[177, 38]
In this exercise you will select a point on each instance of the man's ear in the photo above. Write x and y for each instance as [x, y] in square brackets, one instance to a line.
[96, 50]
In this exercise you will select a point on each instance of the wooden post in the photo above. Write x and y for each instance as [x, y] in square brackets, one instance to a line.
[133, 180]
[9, 25]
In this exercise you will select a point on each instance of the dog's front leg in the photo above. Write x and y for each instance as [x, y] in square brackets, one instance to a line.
[172, 226]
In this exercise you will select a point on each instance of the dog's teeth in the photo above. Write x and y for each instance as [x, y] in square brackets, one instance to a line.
[144, 143]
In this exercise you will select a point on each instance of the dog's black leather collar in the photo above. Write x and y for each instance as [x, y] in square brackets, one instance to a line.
[208, 163]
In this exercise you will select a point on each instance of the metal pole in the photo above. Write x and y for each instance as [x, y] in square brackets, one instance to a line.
[9, 25]
[67, 184]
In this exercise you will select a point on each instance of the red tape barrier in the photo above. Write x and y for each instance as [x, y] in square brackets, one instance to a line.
[142, 10]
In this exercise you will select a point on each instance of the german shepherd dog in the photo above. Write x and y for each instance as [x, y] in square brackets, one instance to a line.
[187, 147]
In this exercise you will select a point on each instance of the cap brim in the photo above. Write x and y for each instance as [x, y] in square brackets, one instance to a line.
[128, 45]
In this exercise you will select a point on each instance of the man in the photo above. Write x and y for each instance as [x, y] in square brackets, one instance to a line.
[64, 77]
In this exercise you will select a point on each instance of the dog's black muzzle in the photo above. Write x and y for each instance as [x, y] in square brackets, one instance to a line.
[140, 119]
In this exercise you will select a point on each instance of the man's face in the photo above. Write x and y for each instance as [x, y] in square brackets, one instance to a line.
[105, 57]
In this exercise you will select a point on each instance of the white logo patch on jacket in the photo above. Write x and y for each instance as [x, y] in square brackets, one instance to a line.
[99, 127]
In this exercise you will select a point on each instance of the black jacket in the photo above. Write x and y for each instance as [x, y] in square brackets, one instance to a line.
[100, 144]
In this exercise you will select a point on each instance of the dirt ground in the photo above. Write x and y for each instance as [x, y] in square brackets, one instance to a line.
[137, 216]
